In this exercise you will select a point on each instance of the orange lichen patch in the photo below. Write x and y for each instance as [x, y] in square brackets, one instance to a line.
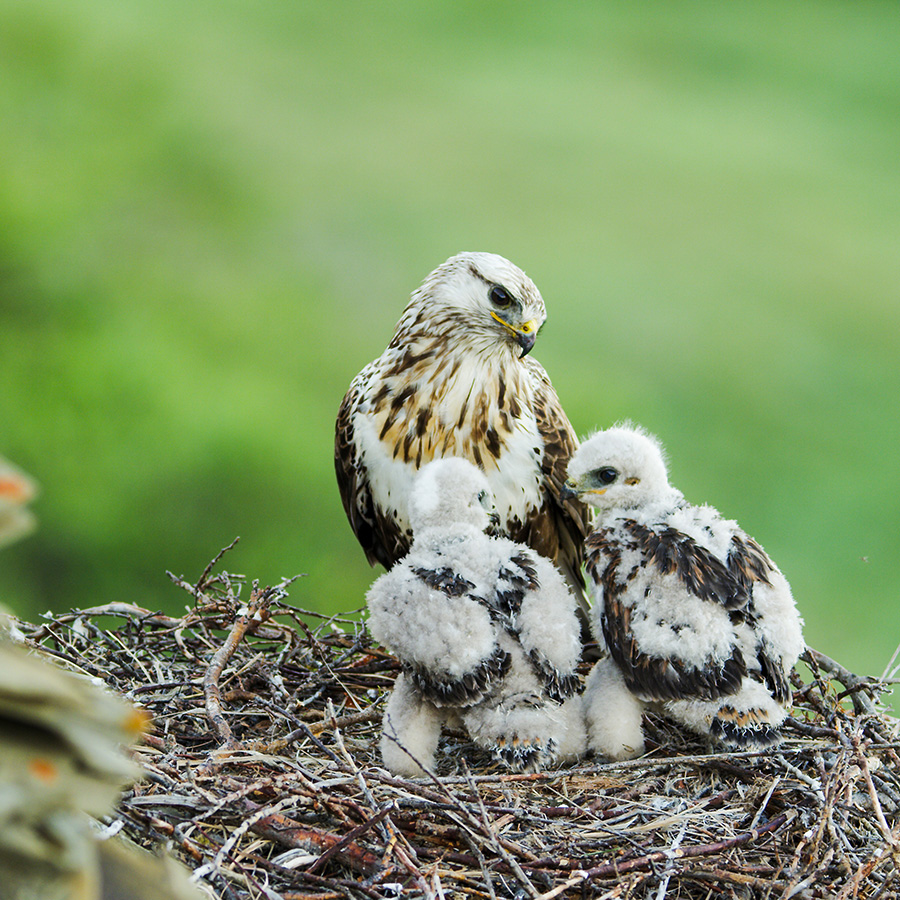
[44, 770]
[138, 721]
[15, 489]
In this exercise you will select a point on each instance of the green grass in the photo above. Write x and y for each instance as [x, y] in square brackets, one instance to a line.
[211, 216]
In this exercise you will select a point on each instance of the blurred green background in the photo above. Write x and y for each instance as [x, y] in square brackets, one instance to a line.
[212, 214]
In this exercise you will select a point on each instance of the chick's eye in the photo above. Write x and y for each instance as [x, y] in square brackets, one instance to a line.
[607, 475]
[484, 499]
[500, 297]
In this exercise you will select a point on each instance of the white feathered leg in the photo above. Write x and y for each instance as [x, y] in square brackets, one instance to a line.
[612, 713]
[572, 731]
[410, 730]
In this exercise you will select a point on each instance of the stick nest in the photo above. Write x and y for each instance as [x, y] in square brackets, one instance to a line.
[263, 775]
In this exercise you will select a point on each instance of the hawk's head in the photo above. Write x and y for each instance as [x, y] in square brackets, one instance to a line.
[479, 299]
[622, 467]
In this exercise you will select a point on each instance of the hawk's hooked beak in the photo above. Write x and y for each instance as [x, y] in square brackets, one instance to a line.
[494, 529]
[525, 334]
[526, 337]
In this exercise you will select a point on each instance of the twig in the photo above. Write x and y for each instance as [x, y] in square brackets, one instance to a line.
[508, 858]
[350, 837]
[861, 690]
[260, 813]
[256, 611]
[358, 718]
[667, 875]
[201, 581]
[289, 833]
[644, 862]
[765, 802]
[121, 610]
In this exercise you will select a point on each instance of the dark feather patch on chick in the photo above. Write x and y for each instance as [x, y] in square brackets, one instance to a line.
[557, 686]
[445, 580]
[466, 689]
[655, 678]
[701, 573]
[773, 675]
[748, 562]
[512, 584]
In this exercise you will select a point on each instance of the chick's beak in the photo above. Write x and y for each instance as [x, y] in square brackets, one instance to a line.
[569, 490]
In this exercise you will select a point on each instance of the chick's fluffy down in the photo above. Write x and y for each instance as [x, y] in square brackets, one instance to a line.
[486, 632]
[445, 635]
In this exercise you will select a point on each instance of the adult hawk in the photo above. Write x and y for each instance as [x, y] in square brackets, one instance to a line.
[486, 631]
[456, 380]
[693, 612]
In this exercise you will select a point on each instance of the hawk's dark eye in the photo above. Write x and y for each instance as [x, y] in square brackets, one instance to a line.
[500, 297]
[607, 475]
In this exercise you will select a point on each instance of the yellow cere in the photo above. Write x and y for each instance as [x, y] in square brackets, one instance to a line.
[527, 328]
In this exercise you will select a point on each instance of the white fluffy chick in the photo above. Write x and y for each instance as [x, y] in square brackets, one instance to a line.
[694, 614]
[485, 629]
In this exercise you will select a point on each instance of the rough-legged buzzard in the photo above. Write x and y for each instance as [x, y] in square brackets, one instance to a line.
[456, 380]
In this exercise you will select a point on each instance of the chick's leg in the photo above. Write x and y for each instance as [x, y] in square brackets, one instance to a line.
[410, 730]
[612, 713]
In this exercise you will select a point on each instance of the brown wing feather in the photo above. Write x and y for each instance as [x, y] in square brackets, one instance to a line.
[380, 537]
[748, 562]
[559, 528]
[772, 673]
[652, 677]
[705, 576]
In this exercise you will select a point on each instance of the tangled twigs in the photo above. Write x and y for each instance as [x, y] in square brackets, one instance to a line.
[890, 835]
[256, 611]
[299, 806]
[289, 833]
[717, 847]
[863, 692]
